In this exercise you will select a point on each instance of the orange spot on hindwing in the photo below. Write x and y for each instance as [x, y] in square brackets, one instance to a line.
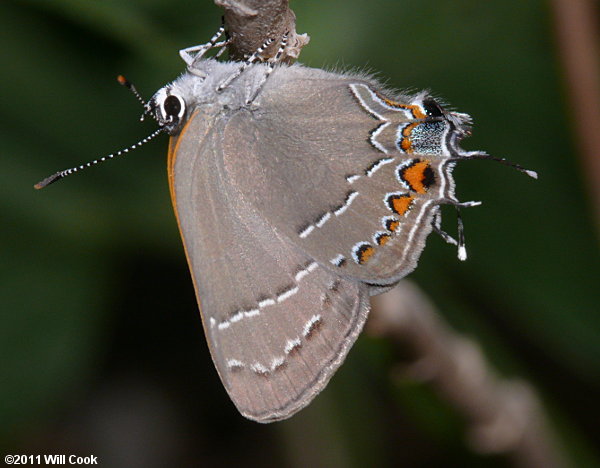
[415, 110]
[392, 225]
[399, 203]
[383, 238]
[363, 252]
[406, 142]
[419, 176]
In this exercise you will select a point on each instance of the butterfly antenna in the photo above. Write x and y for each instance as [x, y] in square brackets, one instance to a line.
[482, 155]
[62, 174]
[131, 87]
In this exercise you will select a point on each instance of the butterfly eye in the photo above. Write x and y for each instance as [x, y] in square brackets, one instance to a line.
[432, 108]
[173, 108]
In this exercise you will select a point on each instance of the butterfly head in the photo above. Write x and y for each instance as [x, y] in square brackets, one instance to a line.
[168, 107]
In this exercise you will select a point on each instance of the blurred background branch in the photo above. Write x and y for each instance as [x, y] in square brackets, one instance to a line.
[504, 416]
[577, 40]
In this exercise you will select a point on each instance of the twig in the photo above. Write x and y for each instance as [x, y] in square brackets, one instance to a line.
[504, 416]
[250, 22]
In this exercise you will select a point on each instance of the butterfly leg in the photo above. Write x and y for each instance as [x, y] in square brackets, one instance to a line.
[271, 65]
[255, 57]
[190, 55]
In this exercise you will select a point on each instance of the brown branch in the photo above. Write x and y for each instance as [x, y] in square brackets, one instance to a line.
[249, 23]
[504, 416]
[577, 41]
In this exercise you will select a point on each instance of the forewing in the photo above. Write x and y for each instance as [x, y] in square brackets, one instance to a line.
[278, 324]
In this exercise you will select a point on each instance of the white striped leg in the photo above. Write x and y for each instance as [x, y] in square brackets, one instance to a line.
[223, 49]
[255, 57]
[191, 54]
[271, 65]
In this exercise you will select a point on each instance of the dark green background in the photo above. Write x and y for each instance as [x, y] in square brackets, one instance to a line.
[101, 349]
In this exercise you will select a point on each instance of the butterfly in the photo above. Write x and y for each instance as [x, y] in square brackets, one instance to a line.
[299, 193]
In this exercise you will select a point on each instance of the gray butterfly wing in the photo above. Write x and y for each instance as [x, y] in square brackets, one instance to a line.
[278, 324]
[320, 158]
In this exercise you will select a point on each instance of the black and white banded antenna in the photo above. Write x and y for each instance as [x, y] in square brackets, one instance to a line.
[67, 172]
[131, 87]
